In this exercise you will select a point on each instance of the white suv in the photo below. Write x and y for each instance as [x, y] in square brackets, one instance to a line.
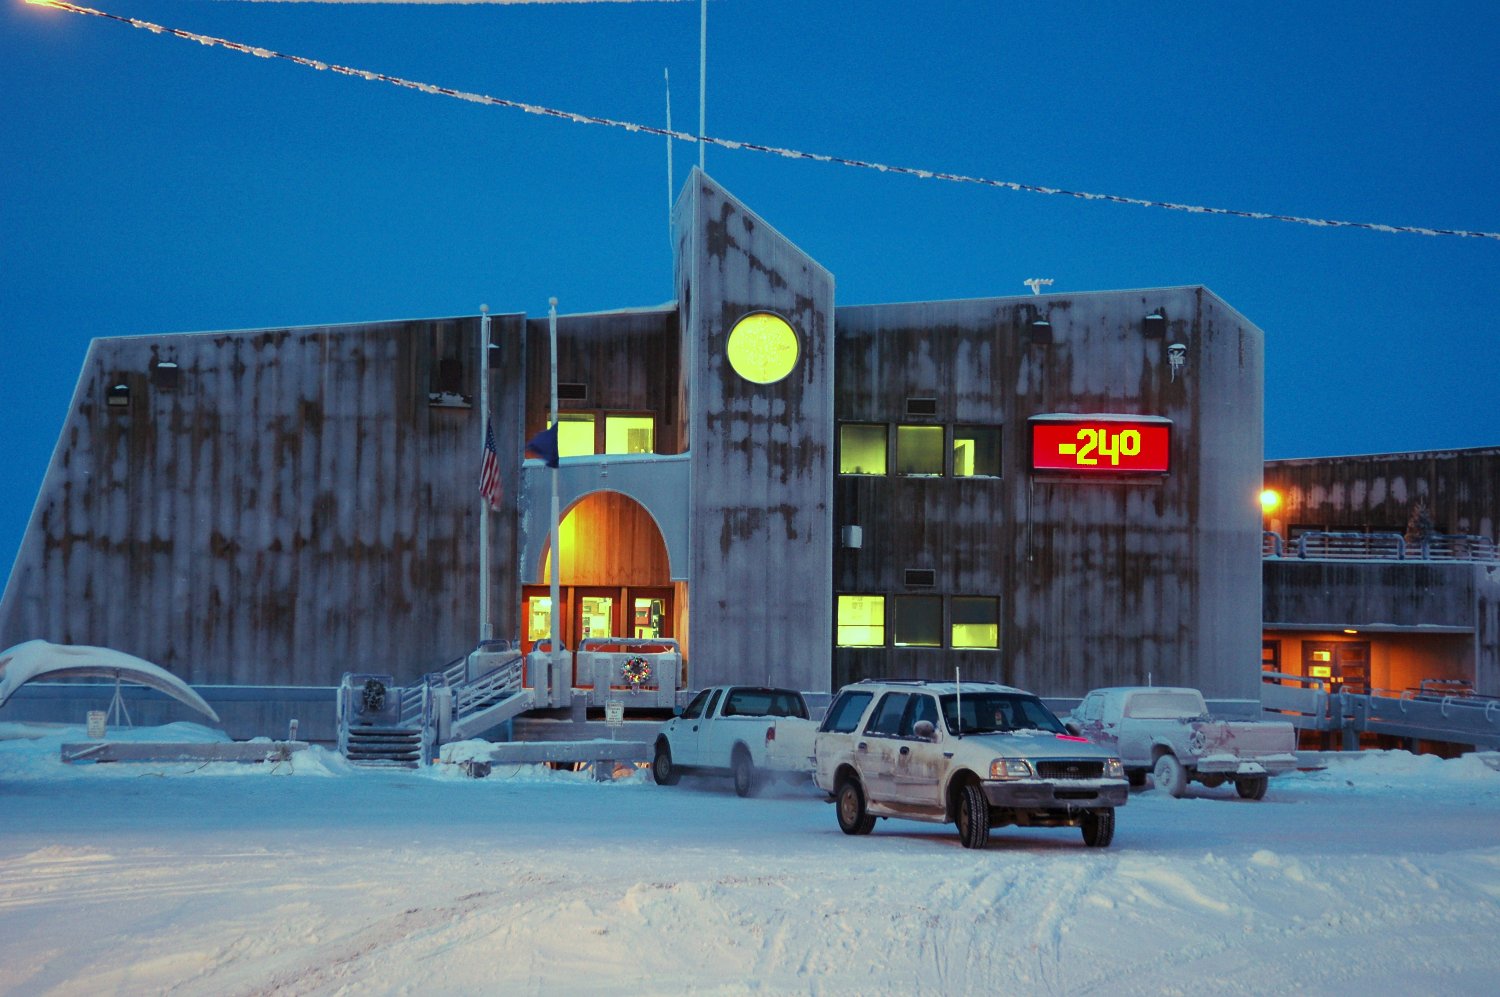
[980, 755]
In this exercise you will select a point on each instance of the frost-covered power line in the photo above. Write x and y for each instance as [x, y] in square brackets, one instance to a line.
[588, 119]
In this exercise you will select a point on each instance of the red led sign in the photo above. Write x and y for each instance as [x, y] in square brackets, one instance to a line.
[1101, 445]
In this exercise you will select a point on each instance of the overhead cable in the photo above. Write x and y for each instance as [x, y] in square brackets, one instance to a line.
[630, 126]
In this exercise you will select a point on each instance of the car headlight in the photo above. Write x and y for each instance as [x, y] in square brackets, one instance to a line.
[1010, 768]
[1114, 768]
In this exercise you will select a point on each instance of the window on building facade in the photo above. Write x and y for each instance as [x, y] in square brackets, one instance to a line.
[575, 434]
[629, 434]
[861, 621]
[976, 451]
[919, 450]
[919, 621]
[976, 622]
[448, 383]
[861, 449]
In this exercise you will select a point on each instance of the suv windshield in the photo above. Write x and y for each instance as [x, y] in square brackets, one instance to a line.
[988, 712]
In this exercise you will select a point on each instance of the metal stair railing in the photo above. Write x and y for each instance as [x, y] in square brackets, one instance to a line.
[485, 691]
[491, 699]
[414, 701]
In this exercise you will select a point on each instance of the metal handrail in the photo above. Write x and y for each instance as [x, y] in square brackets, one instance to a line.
[504, 681]
[1322, 544]
[1348, 545]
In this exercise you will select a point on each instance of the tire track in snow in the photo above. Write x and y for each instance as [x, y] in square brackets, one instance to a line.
[345, 962]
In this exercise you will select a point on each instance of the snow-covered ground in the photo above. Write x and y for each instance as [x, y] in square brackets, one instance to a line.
[1378, 875]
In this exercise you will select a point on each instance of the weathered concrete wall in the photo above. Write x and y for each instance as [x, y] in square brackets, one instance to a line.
[1460, 490]
[1099, 582]
[1338, 594]
[279, 507]
[1487, 629]
[761, 527]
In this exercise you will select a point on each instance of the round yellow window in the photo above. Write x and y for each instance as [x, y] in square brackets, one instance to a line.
[762, 348]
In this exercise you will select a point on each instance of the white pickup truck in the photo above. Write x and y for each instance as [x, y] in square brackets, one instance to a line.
[1167, 732]
[746, 732]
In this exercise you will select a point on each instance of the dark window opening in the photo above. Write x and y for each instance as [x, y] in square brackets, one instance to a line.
[919, 621]
[976, 451]
[448, 381]
[921, 577]
[166, 375]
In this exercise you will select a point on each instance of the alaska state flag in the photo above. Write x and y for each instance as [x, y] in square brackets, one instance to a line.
[544, 445]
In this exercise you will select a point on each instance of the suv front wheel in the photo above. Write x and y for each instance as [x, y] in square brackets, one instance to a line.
[973, 816]
[1099, 827]
[850, 804]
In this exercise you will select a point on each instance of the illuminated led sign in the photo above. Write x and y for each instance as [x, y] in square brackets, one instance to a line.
[1101, 445]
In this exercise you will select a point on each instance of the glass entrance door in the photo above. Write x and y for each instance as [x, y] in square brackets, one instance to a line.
[647, 616]
[596, 615]
[1345, 664]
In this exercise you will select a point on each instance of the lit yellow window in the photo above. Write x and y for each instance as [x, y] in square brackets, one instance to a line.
[976, 622]
[598, 617]
[919, 450]
[629, 434]
[861, 449]
[539, 618]
[861, 621]
[575, 434]
[976, 451]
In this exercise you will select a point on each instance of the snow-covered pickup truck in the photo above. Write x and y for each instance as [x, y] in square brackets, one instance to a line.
[978, 755]
[1168, 733]
[746, 732]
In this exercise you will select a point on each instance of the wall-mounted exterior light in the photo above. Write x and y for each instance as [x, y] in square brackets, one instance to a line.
[1177, 358]
[118, 396]
[1270, 501]
[1154, 326]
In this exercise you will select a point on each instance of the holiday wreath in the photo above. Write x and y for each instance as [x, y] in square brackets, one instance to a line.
[635, 671]
[372, 700]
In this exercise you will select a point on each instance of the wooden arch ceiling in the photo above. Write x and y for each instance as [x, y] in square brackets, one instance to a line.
[608, 538]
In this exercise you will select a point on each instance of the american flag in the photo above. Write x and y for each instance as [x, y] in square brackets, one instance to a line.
[489, 472]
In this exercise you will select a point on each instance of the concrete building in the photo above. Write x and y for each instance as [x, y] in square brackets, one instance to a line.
[1057, 491]
[1381, 571]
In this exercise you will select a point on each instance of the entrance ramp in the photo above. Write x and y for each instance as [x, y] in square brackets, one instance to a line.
[1430, 713]
[488, 694]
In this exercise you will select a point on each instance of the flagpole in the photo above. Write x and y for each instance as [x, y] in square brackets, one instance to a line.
[667, 77]
[486, 629]
[702, 74]
[556, 589]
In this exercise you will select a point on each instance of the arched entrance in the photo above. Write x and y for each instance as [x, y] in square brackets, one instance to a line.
[616, 579]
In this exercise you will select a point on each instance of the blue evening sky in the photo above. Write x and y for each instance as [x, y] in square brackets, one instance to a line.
[154, 185]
